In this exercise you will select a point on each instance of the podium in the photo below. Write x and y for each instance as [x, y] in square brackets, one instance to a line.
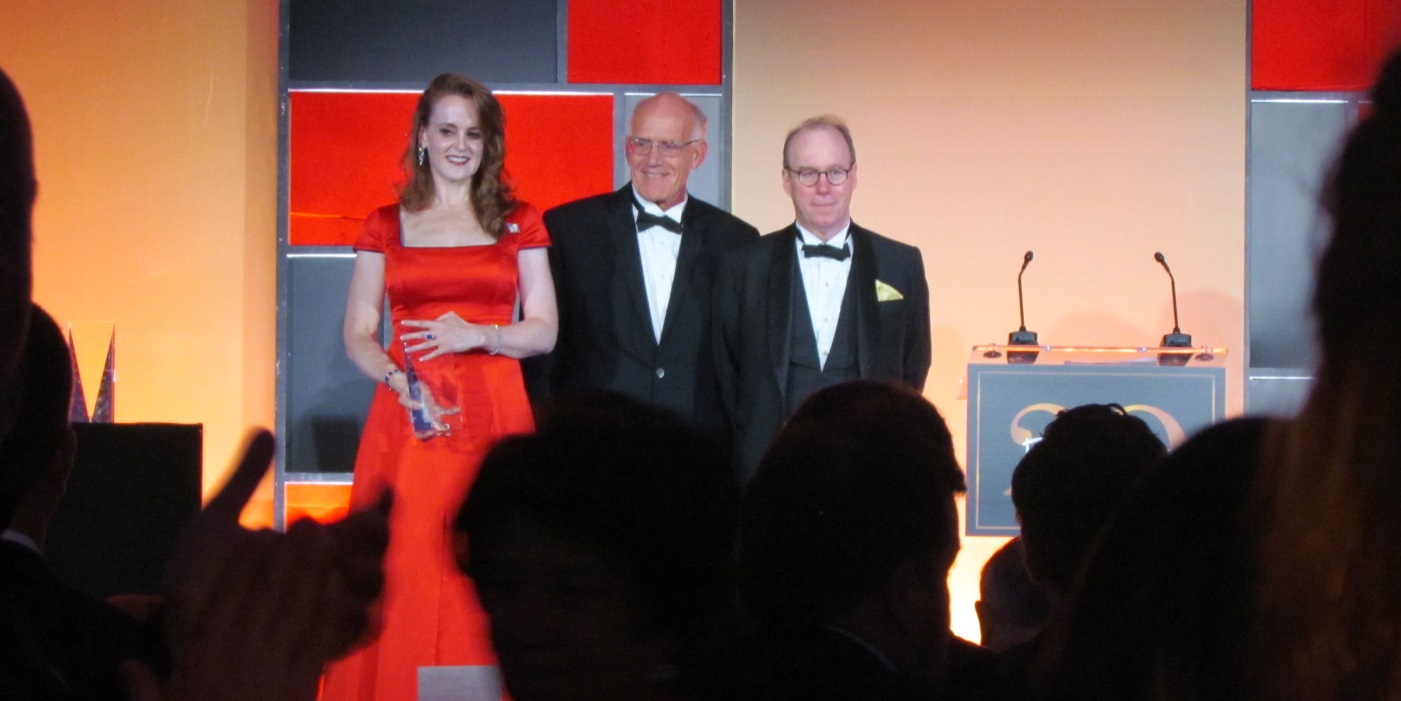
[1014, 391]
[132, 487]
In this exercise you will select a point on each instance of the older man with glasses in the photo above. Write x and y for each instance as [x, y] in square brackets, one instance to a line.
[817, 303]
[633, 272]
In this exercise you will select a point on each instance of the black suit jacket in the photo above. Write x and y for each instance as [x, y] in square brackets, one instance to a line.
[81, 638]
[605, 327]
[817, 664]
[754, 318]
[820, 664]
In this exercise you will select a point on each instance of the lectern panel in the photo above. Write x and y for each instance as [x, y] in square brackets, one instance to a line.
[1010, 405]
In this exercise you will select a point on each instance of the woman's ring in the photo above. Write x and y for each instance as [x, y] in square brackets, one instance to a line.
[429, 336]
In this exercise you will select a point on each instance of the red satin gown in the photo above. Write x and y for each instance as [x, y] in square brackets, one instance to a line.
[429, 614]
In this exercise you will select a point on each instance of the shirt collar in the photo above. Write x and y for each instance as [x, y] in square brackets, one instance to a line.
[652, 208]
[808, 238]
[16, 537]
[880, 656]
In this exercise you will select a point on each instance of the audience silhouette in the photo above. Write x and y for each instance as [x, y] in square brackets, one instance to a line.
[1011, 608]
[1066, 488]
[1329, 622]
[84, 639]
[246, 614]
[17, 192]
[1259, 560]
[602, 548]
[847, 533]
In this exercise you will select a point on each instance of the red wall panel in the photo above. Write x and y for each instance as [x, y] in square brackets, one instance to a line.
[1321, 45]
[645, 41]
[343, 161]
[559, 147]
[345, 149]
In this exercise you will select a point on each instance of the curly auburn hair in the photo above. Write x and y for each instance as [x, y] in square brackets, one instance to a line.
[491, 192]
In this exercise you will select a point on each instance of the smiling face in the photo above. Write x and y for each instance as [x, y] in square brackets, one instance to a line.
[822, 208]
[656, 177]
[454, 139]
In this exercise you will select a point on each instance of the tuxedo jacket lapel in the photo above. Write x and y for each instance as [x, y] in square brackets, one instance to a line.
[622, 232]
[779, 313]
[867, 312]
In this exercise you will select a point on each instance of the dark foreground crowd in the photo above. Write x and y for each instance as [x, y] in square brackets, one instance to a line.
[617, 560]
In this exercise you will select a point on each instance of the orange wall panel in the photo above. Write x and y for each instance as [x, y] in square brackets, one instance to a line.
[161, 217]
[324, 502]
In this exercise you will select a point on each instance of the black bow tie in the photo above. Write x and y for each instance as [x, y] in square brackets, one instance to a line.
[646, 221]
[826, 250]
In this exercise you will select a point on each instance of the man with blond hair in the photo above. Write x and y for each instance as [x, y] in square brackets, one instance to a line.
[817, 303]
[633, 272]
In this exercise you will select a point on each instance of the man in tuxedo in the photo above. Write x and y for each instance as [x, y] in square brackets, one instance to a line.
[634, 270]
[820, 302]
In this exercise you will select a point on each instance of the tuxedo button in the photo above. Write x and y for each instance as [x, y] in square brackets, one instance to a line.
[661, 372]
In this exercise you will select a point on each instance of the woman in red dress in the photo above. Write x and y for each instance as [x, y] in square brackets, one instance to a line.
[457, 255]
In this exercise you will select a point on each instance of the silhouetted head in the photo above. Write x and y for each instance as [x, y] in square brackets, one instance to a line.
[1160, 610]
[41, 429]
[600, 546]
[1356, 297]
[854, 500]
[1011, 608]
[1068, 485]
[18, 189]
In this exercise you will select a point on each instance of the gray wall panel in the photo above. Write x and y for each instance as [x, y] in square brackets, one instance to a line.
[1291, 145]
[1277, 395]
[413, 40]
[327, 397]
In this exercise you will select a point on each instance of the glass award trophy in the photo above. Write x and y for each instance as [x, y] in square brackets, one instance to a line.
[424, 418]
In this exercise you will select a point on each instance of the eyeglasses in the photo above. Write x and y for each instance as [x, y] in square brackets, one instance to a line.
[669, 149]
[808, 176]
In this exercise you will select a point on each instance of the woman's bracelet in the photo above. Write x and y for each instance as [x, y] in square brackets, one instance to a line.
[391, 373]
[497, 348]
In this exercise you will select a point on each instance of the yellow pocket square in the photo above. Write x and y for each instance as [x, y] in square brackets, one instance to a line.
[886, 293]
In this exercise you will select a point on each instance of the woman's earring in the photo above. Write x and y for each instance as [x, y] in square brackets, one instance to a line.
[421, 153]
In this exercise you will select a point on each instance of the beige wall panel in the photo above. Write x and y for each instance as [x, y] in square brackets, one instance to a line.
[1093, 133]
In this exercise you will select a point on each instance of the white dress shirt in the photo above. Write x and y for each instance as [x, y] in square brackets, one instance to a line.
[20, 538]
[824, 281]
[659, 249]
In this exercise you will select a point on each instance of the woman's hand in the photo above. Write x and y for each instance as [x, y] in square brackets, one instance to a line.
[431, 409]
[448, 333]
[400, 385]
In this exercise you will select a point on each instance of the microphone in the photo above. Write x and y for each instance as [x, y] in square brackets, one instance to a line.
[1176, 339]
[1022, 337]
